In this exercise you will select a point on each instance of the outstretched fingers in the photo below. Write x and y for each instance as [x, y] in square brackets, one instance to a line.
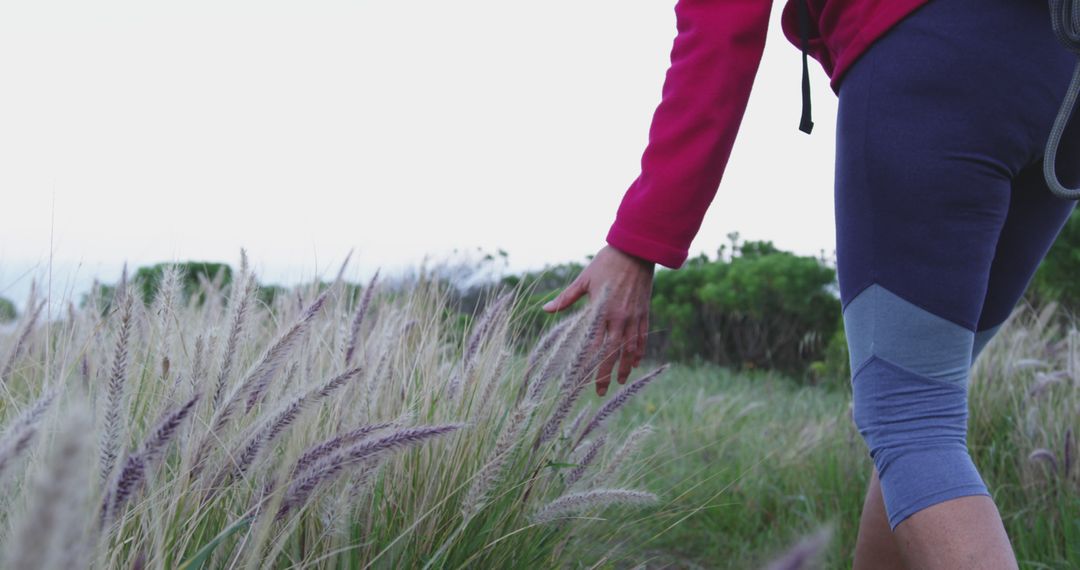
[624, 339]
[642, 333]
[609, 348]
[568, 297]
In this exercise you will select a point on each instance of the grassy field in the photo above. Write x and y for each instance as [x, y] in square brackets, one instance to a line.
[327, 430]
[746, 464]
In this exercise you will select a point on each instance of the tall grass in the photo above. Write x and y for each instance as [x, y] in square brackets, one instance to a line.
[1025, 418]
[322, 431]
[750, 462]
[328, 430]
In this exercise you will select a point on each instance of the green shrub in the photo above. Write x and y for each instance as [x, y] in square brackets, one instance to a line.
[193, 273]
[834, 369]
[1056, 278]
[762, 308]
[765, 308]
[7, 311]
[268, 293]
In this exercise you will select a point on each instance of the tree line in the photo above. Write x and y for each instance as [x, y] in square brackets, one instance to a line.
[751, 305]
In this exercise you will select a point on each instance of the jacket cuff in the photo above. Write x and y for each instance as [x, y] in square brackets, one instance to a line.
[648, 249]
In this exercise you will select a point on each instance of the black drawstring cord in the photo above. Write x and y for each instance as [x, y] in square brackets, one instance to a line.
[806, 125]
[1065, 15]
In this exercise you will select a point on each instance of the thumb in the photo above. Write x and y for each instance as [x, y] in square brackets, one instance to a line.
[568, 297]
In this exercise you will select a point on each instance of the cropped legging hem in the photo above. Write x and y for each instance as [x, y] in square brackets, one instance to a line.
[904, 511]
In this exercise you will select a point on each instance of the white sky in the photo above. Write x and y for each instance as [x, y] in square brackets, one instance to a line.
[147, 131]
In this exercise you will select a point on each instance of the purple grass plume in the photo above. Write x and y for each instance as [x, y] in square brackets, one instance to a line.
[1045, 456]
[133, 473]
[20, 342]
[563, 344]
[587, 459]
[21, 432]
[279, 422]
[575, 381]
[619, 401]
[574, 503]
[116, 392]
[1068, 452]
[358, 320]
[242, 298]
[300, 489]
[51, 533]
[629, 447]
[806, 554]
[333, 444]
[257, 381]
[491, 471]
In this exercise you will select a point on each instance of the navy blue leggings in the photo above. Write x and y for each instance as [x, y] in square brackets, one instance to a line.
[942, 216]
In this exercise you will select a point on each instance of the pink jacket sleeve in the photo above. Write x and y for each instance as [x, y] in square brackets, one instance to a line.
[714, 60]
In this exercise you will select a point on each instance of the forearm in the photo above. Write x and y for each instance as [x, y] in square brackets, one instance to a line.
[714, 60]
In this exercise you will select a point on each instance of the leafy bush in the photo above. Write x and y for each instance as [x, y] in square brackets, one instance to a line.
[7, 311]
[765, 308]
[1058, 278]
[762, 308]
[195, 275]
[834, 369]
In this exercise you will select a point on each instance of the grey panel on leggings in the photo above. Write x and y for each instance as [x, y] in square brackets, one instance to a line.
[878, 322]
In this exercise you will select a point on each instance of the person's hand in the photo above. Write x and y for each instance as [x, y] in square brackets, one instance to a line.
[625, 318]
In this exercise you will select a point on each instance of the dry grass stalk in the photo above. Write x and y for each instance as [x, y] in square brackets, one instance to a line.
[572, 329]
[548, 340]
[198, 364]
[484, 328]
[575, 424]
[340, 277]
[158, 439]
[116, 393]
[806, 554]
[51, 534]
[574, 503]
[165, 302]
[21, 432]
[1044, 456]
[133, 473]
[628, 449]
[1068, 453]
[332, 445]
[21, 341]
[256, 382]
[619, 401]
[488, 320]
[258, 379]
[300, 489]
[358, 320]
[587, 458]
[490, 473]
[492, 382]
[575, 381]
[279, 422]
[243, 298]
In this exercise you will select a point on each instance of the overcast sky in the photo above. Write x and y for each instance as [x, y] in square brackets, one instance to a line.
[147, 131]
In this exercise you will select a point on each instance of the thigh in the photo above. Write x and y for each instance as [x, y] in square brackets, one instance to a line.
[1034, 220]
[921, 196]
[936, 121]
